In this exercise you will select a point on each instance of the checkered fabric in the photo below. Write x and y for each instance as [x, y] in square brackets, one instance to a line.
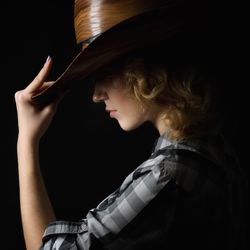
[173, 166]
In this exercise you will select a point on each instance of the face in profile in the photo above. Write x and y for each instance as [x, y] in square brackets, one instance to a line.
[121, 105]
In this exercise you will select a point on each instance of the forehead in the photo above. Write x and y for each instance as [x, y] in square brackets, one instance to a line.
[118, 66]
[109, 72]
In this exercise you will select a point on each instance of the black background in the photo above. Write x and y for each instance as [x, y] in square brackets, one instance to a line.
[84, 154]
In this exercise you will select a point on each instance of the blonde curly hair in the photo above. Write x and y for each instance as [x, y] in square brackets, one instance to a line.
[185, 94]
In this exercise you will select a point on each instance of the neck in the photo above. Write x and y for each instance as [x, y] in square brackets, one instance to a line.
[160, 123]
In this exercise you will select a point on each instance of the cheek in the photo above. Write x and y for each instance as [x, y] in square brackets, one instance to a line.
[129, 106]
[131, 116]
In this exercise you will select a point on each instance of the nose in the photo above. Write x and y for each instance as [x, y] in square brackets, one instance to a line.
[99, 94]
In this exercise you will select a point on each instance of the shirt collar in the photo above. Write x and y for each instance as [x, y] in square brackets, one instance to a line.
[210, 146]
[162, 142]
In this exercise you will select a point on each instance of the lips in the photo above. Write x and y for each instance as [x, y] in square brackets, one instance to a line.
[112, 112]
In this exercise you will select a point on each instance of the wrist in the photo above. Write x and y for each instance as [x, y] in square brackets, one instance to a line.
[28, 140]
[26, 144]
[27, 155]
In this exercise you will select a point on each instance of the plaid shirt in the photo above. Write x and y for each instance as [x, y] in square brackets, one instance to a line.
[144, 210]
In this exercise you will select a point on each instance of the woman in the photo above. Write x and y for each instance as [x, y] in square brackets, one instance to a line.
[184, 194]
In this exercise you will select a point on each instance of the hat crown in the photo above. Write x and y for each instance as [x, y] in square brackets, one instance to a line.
[93, 17]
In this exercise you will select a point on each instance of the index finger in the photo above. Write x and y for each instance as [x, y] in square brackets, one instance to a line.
[39, 80]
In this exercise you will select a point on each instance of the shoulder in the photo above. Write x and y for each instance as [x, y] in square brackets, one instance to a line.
[193, 161]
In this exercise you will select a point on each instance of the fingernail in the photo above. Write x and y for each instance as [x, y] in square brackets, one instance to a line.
[48, 59]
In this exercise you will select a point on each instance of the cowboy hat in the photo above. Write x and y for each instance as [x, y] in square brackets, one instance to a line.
[108, 29]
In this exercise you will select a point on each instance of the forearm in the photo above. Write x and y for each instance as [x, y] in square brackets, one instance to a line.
[36, 209]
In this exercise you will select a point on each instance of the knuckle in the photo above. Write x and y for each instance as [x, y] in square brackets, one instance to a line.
[17, 94]
[21, 96]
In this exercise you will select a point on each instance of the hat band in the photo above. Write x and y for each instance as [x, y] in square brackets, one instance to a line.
[86, 42]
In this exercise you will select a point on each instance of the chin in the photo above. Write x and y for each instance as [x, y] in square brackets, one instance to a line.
[129, 126]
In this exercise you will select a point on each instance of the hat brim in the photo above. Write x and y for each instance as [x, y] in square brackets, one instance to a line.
[140, 32]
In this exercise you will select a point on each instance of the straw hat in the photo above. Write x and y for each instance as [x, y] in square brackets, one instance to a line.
[108, 29]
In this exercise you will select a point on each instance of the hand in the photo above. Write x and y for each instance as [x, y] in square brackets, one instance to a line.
[34, 120]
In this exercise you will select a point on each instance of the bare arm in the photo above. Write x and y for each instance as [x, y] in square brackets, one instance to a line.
[36, 209]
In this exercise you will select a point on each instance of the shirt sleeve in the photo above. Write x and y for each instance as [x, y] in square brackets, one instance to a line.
[113, 214]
